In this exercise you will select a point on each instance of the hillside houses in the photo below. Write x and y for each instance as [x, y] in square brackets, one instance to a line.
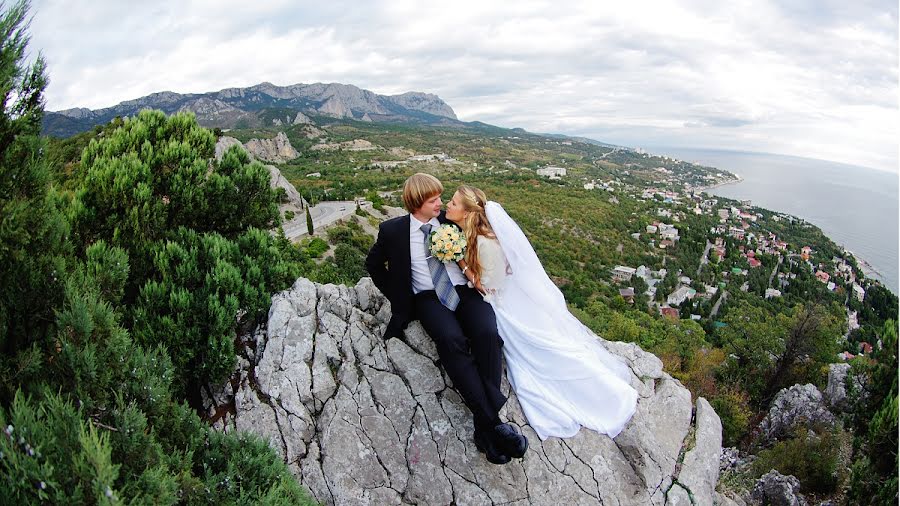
[731, 225]
[436, 157]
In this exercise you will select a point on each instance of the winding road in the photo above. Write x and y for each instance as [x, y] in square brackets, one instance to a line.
[323, 214]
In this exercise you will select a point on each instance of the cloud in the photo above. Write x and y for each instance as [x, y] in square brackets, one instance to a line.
[814, 78]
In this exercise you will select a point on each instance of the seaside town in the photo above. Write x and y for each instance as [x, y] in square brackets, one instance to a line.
[741, 251]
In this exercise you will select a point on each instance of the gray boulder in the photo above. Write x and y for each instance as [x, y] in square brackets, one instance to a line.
[799, 405]
[776, 489]
[361, 420]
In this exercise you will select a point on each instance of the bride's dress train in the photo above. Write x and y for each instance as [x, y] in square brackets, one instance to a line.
[562, 375]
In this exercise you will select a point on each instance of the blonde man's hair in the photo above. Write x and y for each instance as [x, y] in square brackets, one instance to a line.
[418, 188]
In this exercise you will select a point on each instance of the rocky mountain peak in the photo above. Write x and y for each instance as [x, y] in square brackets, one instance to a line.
[361, 420]
[77, 112]
[427, 102]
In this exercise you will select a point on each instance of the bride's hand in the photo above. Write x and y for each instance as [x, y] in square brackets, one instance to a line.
[479, 287]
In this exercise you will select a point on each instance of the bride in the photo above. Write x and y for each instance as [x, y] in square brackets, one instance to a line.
[562, 375]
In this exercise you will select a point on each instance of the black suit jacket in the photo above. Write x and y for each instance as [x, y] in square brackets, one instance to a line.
[389, 264]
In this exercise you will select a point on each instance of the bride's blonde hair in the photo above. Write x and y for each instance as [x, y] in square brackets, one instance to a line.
[474, 224]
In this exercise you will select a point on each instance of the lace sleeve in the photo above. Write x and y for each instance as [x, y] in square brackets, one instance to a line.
[493, 263]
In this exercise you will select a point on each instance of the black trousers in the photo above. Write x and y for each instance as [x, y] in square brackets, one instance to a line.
[468, 344]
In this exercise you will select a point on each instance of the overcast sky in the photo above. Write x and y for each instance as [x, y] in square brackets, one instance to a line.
[815, 78]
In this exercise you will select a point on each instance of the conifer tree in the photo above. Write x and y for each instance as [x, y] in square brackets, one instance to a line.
[33, 229]
[153, 189]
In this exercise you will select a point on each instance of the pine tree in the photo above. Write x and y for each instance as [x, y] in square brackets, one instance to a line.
[309, 222]
[33, 229]
[152, 189]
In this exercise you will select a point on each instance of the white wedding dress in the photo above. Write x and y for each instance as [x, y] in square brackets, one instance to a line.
[563, 377]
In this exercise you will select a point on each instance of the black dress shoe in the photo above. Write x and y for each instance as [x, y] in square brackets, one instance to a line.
[485, 444]
[510, 442]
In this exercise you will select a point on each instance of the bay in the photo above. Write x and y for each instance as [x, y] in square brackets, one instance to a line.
[857, 207]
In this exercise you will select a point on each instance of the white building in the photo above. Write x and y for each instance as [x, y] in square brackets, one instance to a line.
[852, 320]
[642, 272]
[670, 234]
[680, 295]
[623, 273]
[859, 292]
[771, 292]
[552, 171]
[651, 229]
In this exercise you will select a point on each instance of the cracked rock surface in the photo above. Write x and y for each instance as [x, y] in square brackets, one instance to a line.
[361, 420]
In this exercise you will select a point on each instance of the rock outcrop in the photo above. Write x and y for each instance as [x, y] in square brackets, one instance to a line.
[301, 119]
[839, 378]
[799, 405]
[778, 490]
[277, 150]
[361, 420]
[427, 102]
[226, 142]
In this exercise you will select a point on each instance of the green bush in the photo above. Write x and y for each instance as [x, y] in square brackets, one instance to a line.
[152, 176]
[809, 456]
[314, 247]
[202, 285]
[733, 408]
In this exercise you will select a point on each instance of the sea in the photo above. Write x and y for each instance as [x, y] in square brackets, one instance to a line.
[857, 207]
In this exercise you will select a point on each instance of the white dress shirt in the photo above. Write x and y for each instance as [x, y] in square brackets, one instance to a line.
[421, 276]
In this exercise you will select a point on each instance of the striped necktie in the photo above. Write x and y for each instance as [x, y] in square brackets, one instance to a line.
[442, 285]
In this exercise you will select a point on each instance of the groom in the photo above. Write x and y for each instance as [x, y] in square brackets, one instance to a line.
[456, 317]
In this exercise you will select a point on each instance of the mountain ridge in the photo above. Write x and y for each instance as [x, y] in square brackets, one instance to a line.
[236, 107]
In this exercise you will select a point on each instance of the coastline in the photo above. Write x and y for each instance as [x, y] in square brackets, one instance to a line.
[717, 185]
[869, 271]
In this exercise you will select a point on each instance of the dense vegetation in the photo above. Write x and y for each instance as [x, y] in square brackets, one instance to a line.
[120, 290]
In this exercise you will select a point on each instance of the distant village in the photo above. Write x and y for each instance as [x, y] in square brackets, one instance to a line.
[735, 222]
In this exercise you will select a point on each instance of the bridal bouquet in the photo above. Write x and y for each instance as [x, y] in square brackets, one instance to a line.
[448, 244]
